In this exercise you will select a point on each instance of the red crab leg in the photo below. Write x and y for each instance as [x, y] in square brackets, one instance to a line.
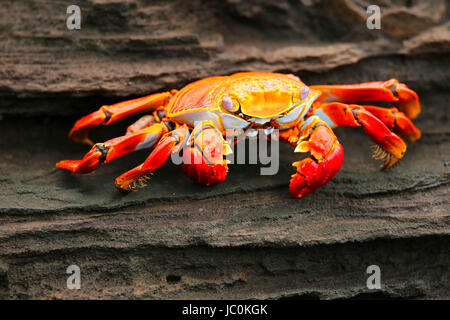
[114, 148]
[403, 97]
[143, 122]
[203, 160]
[109, 114]
[326, 157]
[342, 115]
[169, 143]
[396, 120]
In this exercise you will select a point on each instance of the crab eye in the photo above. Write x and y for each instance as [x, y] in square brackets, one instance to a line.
[304, 92]
[228, 104]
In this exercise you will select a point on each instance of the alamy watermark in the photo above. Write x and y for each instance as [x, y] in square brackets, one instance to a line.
[73, 21]
[263, 148]
[374, 18]
[374, 280]
[74, 280]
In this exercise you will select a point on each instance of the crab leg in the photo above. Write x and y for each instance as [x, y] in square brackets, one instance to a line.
[171, 142]
[109, 114]
[114, 148]
[203, 160]
[327, 154]
[392, 90]
[396, 120]
[343, 115]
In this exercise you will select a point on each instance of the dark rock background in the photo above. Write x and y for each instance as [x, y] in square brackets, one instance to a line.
[246, 238]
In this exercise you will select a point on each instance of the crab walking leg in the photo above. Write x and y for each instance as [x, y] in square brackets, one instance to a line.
[114, 148]
[203, 160]
[343, 115]
[110, 114]
[170, 143]
[327, 154]
[143, 122]
[396, 120]
[404, 98]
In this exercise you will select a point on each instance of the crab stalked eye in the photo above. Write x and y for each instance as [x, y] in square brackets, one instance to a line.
[304, 92]
[229, 104]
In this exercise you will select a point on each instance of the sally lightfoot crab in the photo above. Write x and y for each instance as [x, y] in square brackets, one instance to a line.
[194, 121]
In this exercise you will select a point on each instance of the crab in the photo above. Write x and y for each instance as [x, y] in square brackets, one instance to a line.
[193, 121]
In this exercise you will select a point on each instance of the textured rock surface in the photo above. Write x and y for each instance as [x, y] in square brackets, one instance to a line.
[245, 238]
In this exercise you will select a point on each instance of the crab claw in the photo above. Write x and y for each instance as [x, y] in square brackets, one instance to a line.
[204, 173]
[312, 174]
[203, 162]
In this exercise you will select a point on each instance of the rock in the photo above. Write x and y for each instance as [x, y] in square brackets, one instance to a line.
[435, 41]
[246, 238]
[134, 48]
[404, 22]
